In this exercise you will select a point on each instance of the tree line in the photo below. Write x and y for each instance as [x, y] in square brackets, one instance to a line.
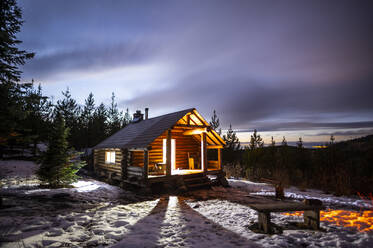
[28, 117]
[342, 168]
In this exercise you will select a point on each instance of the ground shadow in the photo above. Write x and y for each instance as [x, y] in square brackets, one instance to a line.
[147, 231]
[202, 232]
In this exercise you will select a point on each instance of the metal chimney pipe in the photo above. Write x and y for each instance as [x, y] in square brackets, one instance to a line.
[146, 113]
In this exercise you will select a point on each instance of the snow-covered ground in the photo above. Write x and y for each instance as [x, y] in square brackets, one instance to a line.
[293, 192]
[94, 213]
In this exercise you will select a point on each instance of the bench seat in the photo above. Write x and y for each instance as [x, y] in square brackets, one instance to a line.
[311, 214]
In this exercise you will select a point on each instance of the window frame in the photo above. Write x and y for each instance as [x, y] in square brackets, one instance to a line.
[110, 157]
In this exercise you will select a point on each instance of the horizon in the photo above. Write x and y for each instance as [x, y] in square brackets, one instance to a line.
[286, 69]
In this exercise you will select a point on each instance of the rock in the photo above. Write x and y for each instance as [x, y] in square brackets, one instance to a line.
[223, 181]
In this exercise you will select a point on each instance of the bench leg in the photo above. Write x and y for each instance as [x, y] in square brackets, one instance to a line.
[312, 219]
[264, 222]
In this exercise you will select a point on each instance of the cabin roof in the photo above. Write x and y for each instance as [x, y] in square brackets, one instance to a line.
[141, 134]
[144, 132]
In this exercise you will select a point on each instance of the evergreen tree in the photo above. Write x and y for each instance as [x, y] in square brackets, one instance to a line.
[232, 144]
[69, 110]
[10, 55]
[253, 155]
[86, 121]
[12, 114]
[127, 118]
[38, 120]
[59, 164]
[273, 142]
[284, 142]
[215, 123]
[300, 143]
[332, 139]
[100, 125]
[231, 140]
[114, 116]
[256, 141]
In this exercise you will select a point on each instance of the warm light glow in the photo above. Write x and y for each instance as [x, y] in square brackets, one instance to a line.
[319, 147]
[195, 131]
[173, 153]
[109, 157]
[362, 221]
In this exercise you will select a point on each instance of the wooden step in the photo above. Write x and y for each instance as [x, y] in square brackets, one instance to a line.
[199, 185]
[197, 181]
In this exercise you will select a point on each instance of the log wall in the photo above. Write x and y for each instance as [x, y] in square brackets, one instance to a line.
[102, 168]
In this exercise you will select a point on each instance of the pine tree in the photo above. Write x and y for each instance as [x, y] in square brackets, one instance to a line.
[256, 141]
[273, 142]
[100, 125]
[232, 144]
[284, 142]
[215, 123]
[10, 55]
[59, 164]
[38, 120]
[127, 118]
[300, 143]
[332, 139]
[86, 121]
[231, 140]
[114, 116]
[12, 114]
[69, 110]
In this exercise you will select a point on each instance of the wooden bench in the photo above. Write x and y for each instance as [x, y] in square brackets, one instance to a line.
[311, 214]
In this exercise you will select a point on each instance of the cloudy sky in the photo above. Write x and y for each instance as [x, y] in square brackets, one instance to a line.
[293, 68]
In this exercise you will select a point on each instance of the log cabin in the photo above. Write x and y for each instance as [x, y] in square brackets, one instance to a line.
[171, 148]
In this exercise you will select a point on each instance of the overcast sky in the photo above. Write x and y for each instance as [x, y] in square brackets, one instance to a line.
[295, 68]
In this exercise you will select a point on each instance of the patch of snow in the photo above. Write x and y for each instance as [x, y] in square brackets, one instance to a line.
[294, 193]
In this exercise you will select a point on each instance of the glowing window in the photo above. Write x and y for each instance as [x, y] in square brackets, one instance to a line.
[110, 157]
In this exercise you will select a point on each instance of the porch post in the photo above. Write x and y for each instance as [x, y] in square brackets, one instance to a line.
[219, 159]
[146, 163]
[124, 163]
[168, 153]
[204, 152]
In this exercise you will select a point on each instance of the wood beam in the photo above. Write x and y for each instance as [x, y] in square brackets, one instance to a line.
[124, 163]
[219, 159]
[146, 164]
[200, 118]
[195, 131]
[214, 147]
[168, 153]
[190, 126]
[204, 152]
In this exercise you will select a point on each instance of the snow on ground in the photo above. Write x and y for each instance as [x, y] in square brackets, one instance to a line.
[94, 213]
[293, 192]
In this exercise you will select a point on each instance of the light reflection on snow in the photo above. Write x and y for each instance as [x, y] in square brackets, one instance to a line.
[85, 186]
[36, 191]
[172, 202]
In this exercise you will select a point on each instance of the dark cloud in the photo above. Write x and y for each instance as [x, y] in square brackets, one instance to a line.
[89, 58]
[265, 65]
[353, 133]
